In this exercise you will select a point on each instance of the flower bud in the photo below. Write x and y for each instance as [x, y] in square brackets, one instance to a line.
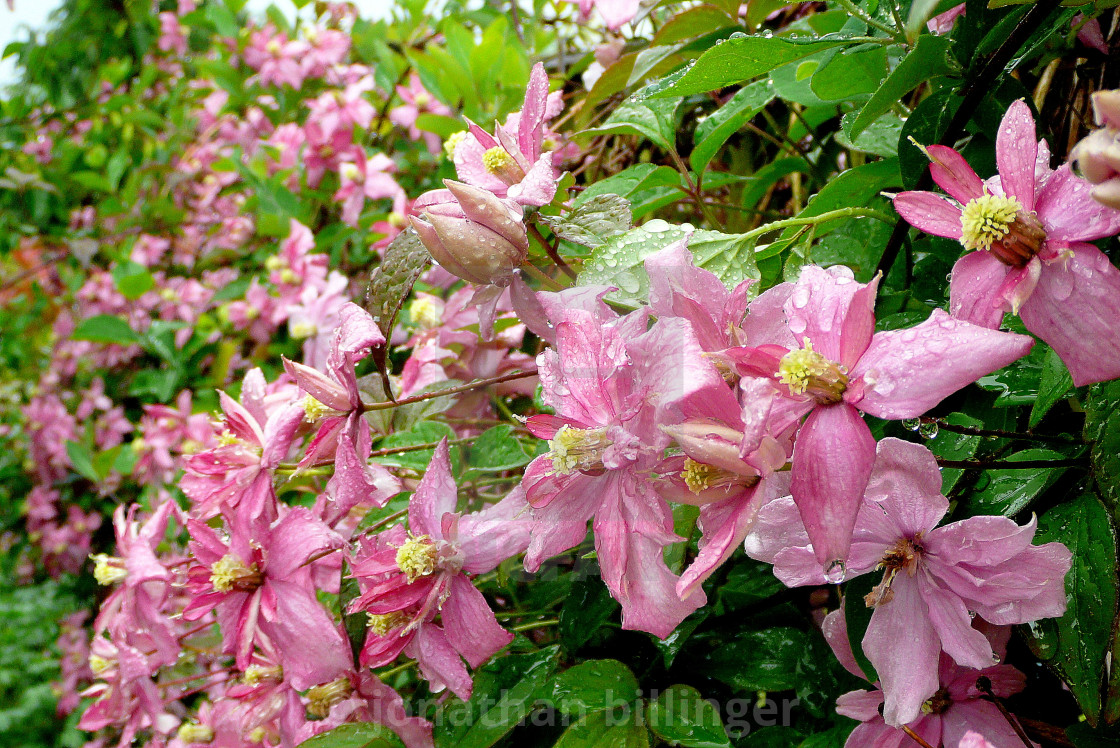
[1098, 155]
[1106, 106]
[472, 233]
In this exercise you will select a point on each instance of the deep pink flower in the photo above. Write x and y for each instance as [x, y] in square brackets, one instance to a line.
[1031, 225]
[820, 347]
[410, 577]
[613, 385]
[261, 581]
[510, 163]
[933, 576]
[957, 710]
[615, 13]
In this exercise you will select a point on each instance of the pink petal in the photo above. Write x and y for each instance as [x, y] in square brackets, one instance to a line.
[980, 541]
[632, 527]
[974, 289]
[530, 125]
[1016, 151]
[1069, 212]
[949, 617]
[297, 538]
[832, 461]
[539, 185]
[978, 724]
[906, 483]
[617, 13]
[439, 662]
[907, 372]
[1075, 308]
[677, 288]
[561, 523]
[929, 212]
[725, 524]
[435, 496]
[953, 174]
[470, 625]
[833, 311]
[318, 385]
[835, 630]
[903, 648]
[498, 532]
[766, 319]
[308, 639]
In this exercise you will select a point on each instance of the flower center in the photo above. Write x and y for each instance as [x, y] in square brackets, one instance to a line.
[422, 100]
[807, 372]
[322, 697]
[314, 410]
[1000, 225]
[425, 313]
[937, 703]
[699, 477]
[384, 623]
[453, 142]
[502, 165]
[418, 557]
[107, 569]
[257, 674]
[194, 733]
[903, 555]
[301, 330]
[578, 449]
[99, 664]
[230, 573]
[349, 171]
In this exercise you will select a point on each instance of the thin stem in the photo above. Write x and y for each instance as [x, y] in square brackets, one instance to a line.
[189, 678]
[972, 431]
[552, 253]
[984, 685]
[864, 16]
[398, 669]
[536, 625]
[452, 390]
[693, 188]
[898, 22]
[540, 275]
[915, 737]
[382, 522]
[831, 215]
[1009, 464]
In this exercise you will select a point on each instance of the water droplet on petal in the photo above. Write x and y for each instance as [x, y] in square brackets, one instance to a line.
[835, 572]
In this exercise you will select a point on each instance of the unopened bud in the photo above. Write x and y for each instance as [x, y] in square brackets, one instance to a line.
[1106, 107]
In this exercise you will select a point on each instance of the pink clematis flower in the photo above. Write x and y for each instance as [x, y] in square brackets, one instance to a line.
[407, 578]
[261, 582]
[820, 347]
[417, 101]
[1030, 225]
[612, 385]
[932, 576]
[510, 163]
[958, 715]
[615, 13]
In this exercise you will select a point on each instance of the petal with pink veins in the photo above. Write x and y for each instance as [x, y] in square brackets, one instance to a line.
[1069, 212]
[930, 213]
[953, 174]
[974, 290]
[1016, 152]
[470, 625]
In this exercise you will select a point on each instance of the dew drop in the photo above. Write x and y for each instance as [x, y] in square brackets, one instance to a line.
[835, 572]
[995, 658]
[928, 430]
[911, 423]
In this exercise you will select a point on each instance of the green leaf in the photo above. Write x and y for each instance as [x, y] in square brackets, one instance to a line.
[880, 138]
[647, 187]
[854, 187]
[504, 692]
[743, 58]
[850, 75]
[926, 124]
[605, 729]
[619, 262]
[714, 131]
[594, 685]
[1008, 492]
[758, 660]
[81, 459]
[496, 449]
[422, 432]
[105, 328]
[356, 735]
[928, 59]
[857, 615]
[390, 284]
[1102, 430]
[748, 583]
[587, 607]
[132, 279]
[1077, 643]
[652, 118]
[1054, 384]
[681, 716]
[593, 221]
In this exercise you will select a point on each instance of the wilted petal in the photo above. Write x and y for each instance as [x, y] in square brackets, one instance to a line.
[1016, 151]
[930, 213]
[907, 372]
[832, 461]
[1075, 308]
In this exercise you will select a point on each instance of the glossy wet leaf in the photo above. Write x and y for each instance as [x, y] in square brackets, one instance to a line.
[594, 685]
[681, 716]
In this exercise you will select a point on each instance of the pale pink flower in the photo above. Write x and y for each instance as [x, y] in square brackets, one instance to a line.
[417, 101]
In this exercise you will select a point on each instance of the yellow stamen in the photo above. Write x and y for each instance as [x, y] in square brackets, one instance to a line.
[383, 624]
[577, 449]
[108, 569]
[301, 330]
[798, 367]
[230, 572]
[453, 142]
[418, 557]
[425, 313]
[194, 733]
[987, 219]
[322, 697]
[501, 164]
